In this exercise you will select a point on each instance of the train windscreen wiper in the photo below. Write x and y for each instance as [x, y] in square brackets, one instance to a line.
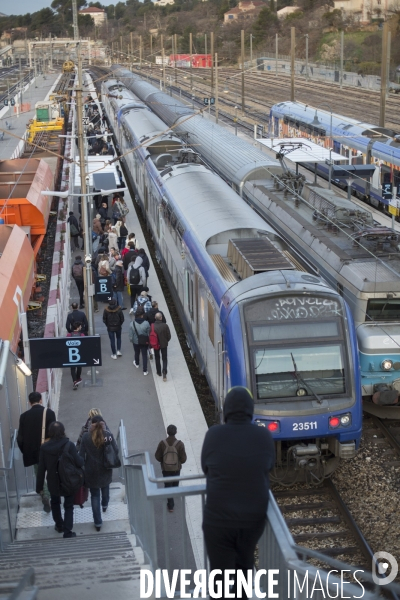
[300, 379]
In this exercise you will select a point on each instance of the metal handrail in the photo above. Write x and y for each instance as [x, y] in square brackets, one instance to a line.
[14, 439]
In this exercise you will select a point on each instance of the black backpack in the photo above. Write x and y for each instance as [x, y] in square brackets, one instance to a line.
[123, 231]
[77, 271]
[134, 276]
[70, 476]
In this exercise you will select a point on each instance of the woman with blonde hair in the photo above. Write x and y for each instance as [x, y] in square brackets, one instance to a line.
[97, 476]
[93, 412]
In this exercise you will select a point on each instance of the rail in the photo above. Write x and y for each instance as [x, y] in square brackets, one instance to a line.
[5, 471]
[167, 544]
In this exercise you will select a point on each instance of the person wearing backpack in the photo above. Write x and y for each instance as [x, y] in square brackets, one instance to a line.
[97, 476]
[171, 454]
[60, 460]
[77, 275]
[136, 277]
[139, 330]
[118, 283]
[163, 335]
[76, 372]
[104, 269]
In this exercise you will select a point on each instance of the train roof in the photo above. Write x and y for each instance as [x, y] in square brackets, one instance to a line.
[346, 238]
[147, 128]
[195, 190]
[224, 151]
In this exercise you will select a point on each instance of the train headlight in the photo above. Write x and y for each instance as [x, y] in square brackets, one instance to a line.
[334, 422]
[345, 420]
[259, 423]
[273, 426]
[301, 392]
[386, 364]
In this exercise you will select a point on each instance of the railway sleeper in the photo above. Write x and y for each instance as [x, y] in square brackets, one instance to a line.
[312, 506]
[313, 521]
[321, 535]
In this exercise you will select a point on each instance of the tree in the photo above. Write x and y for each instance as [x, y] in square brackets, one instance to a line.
[64, 9]
[266, 20]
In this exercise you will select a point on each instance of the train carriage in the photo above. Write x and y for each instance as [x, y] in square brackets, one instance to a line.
[253, 311]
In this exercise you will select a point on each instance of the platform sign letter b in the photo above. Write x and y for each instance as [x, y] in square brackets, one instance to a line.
[103, 288]
[74, 355]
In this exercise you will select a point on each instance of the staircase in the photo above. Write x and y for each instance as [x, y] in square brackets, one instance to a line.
[92, 566]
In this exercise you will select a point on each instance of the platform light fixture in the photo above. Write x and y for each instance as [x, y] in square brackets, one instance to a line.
[23, 367]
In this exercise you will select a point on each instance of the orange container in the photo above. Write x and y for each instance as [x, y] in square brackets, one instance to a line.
[21, 202]
[16, 280]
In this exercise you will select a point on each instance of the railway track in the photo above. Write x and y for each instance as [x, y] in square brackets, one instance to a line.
[386, 435]
[319, 519]
[263, 90]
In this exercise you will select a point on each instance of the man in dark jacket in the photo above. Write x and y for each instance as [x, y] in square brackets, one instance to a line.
[119, 285]
[145, 259]
[113, 317]
[76, 316]
[77, 275]
[180, 455]
[29, 437]
[130, 255]
[236, 459]
[151, 314]
[74, 228]
[103, 212]
[164, 336]
[48, 460]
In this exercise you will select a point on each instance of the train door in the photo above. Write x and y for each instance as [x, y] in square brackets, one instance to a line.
[221, 377]
[203, 319]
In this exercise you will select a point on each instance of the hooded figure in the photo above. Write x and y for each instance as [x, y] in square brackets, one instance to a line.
[236, 459]
[113, 317]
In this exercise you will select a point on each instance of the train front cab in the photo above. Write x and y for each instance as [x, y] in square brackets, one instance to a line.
[302, 368]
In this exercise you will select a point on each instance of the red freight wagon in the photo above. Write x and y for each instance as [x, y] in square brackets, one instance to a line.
[199, 61]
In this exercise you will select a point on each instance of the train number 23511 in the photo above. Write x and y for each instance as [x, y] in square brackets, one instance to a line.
[304, 426]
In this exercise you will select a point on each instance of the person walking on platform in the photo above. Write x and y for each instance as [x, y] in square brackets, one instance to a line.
[77, 275]
[142, 301]
[136, 277]
[31, 435]
[97, 477]
[97, 228]
[76, 316]
[151, 315]
[74, 229]
[76, 372]
[139, 336]
[103, 212]
[93, 412]
[164, 335]
[236, 459]
[113, 238]
[171, 454]
[146, 262]
[122, 233]
[119, 285]
[129, 255]
[50, 453]
[113, 317]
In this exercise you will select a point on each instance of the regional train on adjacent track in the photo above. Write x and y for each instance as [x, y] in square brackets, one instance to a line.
[356, 256]
[360, 142]
[254, 312]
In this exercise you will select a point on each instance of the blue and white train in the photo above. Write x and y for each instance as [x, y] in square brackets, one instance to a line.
[355, 255]
[361, 142]
[254, 312]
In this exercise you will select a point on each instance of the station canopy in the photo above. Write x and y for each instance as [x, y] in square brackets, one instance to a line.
[308, 152]
[98, 165]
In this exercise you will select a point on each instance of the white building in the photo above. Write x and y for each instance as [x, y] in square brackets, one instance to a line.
[98, 15]
[164, 2]
[364, 10]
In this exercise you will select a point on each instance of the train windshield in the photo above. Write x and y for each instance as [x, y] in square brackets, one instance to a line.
[383, 309]
[296, 347]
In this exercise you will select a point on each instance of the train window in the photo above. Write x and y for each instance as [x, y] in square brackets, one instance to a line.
[189, 292]
[295, 331]
[210, 322]
[383, 309]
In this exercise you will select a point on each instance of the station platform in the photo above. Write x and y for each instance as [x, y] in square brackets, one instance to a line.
[39, 89]
[147, 406]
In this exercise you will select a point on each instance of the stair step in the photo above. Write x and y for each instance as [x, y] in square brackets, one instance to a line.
[115, 512]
